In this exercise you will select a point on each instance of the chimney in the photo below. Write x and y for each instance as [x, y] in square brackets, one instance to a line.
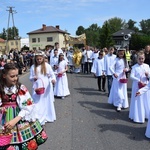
[43, 27]
[57, 26]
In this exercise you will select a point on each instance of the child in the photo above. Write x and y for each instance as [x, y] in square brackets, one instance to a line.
[61, 88]
[118, 93]
[19, 117]
[98, 70]
[41, 74]
[140, 106]
[139, 93]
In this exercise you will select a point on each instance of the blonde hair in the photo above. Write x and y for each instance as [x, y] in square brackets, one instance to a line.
[140, 53]
[43, 66]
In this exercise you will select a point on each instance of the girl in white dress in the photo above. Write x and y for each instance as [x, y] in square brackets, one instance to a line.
[118, 93]
[61, 87]
[140, 106]
[42, 75]
[141, 92]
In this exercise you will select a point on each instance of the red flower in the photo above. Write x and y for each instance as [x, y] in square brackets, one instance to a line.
[32, 145]
[10, 148]
[29, 102]
[21, 92]
[13, 97]
[44, 135]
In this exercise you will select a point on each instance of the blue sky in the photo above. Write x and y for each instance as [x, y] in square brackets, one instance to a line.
[70, 14]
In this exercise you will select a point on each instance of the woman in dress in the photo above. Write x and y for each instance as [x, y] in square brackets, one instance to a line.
[42, 75]
[61, 87]
[18, 108]
[118, 93]
[140, 106]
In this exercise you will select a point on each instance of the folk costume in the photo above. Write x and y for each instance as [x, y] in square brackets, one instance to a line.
[27, 133]
[140, 105]
[118, 93]
[44, 103]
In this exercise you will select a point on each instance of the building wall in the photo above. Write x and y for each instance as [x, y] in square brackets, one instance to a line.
[2, 47]
[13, 44]
[24, 42]
[41, 40]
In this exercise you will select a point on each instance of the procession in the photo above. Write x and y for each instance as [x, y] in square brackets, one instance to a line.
[48, 75]
[74, 75]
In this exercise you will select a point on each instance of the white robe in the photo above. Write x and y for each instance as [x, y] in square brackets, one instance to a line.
[118, 93]
[142, 91]
[61, 87]
[44, 103]
[98, 67]
[140, 105]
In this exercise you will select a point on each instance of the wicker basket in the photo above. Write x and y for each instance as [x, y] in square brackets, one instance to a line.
[40, 90]
[140, 85]
[59, 75]
[123, 80]
[5, 139]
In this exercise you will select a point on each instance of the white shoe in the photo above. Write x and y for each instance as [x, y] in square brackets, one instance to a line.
[118, 108]
[62, 97]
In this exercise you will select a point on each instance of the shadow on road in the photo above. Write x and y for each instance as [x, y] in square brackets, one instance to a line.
[132, 132]
[90, 91]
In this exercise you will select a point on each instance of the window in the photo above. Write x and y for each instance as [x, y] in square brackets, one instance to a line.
[49, 39]
[33, 40]
[38, 39]
[12, 43]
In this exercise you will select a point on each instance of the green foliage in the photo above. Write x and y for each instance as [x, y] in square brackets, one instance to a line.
[80, 30]
[106, 36]
[12, 32]
[145, 26]
[139, 41]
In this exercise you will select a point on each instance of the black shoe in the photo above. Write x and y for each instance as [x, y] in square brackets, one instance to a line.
[104, 90]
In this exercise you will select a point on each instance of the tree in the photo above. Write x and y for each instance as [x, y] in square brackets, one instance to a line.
[106, 36]
[115, 24]
[139, 41]
[12, 33]
[92, 35]
[145, 26]
[80, 30]
[3, 35]
[131, 25]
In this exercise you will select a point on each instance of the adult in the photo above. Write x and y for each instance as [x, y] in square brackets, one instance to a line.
[147, 54]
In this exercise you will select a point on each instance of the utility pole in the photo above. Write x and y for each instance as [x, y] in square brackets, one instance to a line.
[11, 12]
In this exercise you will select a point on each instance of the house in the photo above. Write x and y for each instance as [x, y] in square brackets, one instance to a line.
[24, 42]
[47, 35]
[2, 46]
[13, 44]
[122, 37]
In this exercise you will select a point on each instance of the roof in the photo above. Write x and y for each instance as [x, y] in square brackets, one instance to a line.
[2, 40]
[47, 29]
[124, 32]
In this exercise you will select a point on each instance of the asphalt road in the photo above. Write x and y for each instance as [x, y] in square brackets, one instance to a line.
[85, 121]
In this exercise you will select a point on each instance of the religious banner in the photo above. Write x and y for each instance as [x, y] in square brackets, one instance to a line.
[81, 39]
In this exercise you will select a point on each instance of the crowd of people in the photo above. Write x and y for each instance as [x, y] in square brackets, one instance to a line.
[25, 115]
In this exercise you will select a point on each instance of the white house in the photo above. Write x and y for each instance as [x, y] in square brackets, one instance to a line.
[24, 42]
[47, 35]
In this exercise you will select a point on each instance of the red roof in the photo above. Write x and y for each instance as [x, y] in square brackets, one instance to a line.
[47, 29]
